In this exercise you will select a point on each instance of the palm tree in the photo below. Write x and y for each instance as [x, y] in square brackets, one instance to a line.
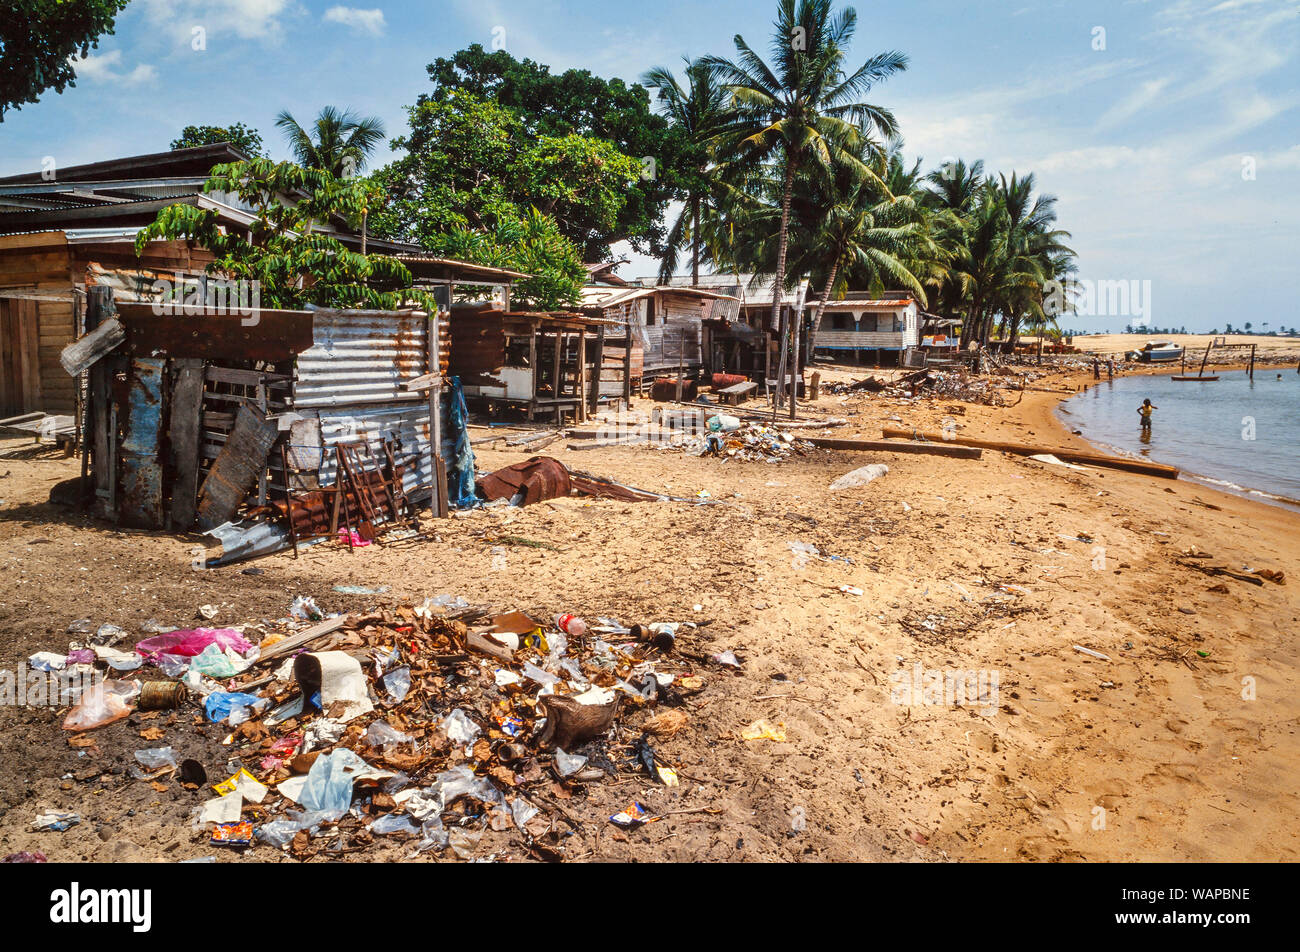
[698, 112]
[804, 109]
[852, 230]
[343, 141]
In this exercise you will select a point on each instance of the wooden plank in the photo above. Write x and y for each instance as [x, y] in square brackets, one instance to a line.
[236, 468]
[183, 436]
[276, 335]
[294, 642]
[80, 355]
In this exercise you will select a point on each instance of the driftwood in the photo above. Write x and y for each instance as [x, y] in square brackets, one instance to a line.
[570, 724]
[1026, 449]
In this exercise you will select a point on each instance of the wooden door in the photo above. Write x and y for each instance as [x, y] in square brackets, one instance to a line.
[20, 376]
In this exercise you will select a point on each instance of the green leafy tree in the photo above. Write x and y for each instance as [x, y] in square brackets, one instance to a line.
[340, 141]
[472, 169]
[37, 38]
[294, 262]
[576, 102]
[242, 137]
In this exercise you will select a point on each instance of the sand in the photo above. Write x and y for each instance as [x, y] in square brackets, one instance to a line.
[1182, 746]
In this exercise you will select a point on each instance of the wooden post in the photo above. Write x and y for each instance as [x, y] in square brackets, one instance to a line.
[1252, 361]
[580, 411]
[435, 406]
[559, 369]
[100, 308]
[184, 437]
[1206, 357]
[600, 367]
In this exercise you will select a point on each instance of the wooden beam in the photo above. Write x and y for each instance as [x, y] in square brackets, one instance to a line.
[1025, 449]
[887, 446]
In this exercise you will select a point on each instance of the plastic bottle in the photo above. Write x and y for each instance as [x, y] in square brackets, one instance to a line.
[571, 624]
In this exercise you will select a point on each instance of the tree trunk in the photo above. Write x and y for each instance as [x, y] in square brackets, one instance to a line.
[695, 240]
[777, 314]
[821, 306]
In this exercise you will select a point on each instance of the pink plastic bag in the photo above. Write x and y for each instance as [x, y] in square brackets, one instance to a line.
[190, 643]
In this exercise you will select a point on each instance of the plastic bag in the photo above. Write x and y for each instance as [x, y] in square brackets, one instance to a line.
[394, 823]
[568, 764]
[156, 758]
[281, 832]
[860, 476]
[381, 734]
[221, 704]
[101, 704]
[398, 683]
[460, 729]
[192, 642]
[216, 662]
[328, 789]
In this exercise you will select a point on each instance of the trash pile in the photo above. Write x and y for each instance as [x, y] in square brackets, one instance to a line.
[731, 438]
[431, 723]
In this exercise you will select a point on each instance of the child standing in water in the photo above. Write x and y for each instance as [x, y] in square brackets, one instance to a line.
[1145, 410]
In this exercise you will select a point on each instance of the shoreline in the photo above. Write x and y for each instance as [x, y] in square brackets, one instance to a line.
[1211, 483]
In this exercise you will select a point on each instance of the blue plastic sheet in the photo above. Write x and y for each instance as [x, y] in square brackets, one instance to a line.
[456, 450]
[219, 704]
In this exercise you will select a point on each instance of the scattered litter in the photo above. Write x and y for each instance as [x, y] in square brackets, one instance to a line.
[762, 730]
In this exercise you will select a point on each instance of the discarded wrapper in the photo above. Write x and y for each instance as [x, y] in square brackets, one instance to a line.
[232, 834]
[632, 816]
[762, 730]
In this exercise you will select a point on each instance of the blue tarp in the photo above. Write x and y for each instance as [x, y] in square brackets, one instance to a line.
[456, 451]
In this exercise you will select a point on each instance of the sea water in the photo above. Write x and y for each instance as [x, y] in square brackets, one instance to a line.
[1239, 434]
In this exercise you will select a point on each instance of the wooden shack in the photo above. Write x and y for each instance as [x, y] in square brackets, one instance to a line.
[550, 364]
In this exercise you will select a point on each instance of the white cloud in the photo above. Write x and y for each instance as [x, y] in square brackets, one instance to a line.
[246, 19]
[366, 21]
[103, 69]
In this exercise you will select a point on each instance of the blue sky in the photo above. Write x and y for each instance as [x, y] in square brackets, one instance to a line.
[1169, 129]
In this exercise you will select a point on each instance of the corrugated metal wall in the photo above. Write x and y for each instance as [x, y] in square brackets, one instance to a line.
[362, 357]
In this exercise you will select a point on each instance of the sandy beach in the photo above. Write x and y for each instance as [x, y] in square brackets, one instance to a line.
[1181, 746]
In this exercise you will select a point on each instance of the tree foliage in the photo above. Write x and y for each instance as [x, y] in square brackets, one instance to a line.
[339, 141]
[475, 184]
[577, 103]
[37, 38]
[294, 263]
[244, 138]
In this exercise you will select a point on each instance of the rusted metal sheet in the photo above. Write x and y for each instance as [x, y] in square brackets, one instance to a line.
[477, 347]
[538, 479]
[236, 468]
[362, 357]
[141, 503]
[268, 335]
[405, 424]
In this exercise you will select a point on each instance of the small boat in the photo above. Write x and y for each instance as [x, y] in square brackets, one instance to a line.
[1157, 352]
[1206, 378]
